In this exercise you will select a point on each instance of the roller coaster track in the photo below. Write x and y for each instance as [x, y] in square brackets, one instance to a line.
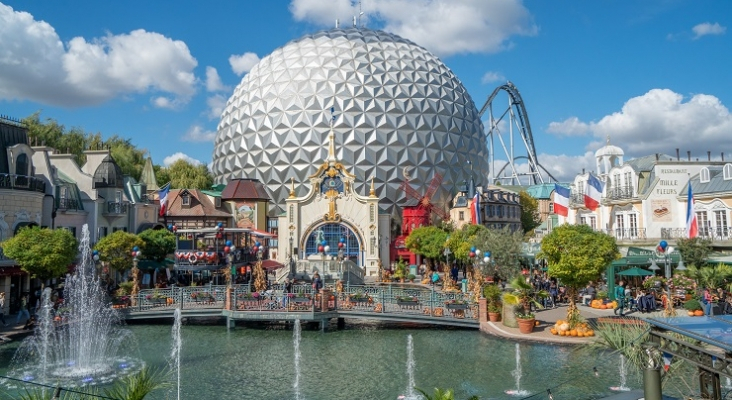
[518, 117]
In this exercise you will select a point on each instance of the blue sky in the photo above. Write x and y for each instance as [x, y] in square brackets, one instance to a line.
[652, 75]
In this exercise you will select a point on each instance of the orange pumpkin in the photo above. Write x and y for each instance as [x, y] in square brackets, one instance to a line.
[536, 322]
[573, 332]
[698, 313]
[590, 333]
[553, 331]
[691, 313]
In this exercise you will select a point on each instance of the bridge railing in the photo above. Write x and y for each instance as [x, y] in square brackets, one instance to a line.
[386, 299]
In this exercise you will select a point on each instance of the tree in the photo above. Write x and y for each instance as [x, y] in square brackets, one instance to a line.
[428, 241]
[461, 241]
[694, 251]
[577, 255]
[42, 253]
[116, 249]
[158, 244]
[184, 175]
[530, 217]
[505, 247]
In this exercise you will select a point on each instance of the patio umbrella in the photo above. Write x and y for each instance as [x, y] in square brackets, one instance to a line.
[635, 271]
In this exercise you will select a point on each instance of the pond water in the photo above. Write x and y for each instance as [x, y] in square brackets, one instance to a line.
[366, 361]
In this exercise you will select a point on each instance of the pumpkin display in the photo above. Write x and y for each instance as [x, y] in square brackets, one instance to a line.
[561, 328]
[698, 313]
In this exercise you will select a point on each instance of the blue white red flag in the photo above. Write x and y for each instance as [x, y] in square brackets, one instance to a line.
[475, 209]
[593, 192]
[163, 196]
[667, 360]
[561, 200]
[692, 227]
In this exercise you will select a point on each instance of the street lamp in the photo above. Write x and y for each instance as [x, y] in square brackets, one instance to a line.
[292, 252]
[136, 253]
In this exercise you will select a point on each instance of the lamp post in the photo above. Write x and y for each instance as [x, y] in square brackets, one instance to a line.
[292, 263]
[135, 274]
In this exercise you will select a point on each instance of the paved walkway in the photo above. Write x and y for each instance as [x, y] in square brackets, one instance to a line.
[548, 317]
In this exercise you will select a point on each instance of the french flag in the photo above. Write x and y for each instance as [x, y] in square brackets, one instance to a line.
[561, 200]
[667, 360]
[475, 209]
[692, 227]
[163, 196]
[593, 193]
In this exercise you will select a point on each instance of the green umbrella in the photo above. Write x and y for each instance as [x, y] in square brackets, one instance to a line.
[635, 271]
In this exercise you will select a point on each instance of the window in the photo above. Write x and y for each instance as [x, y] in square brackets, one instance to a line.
[633, 225]
[461, 216]
[703, 222]
[71, 229]
[616, 180]
[21, 165]
[186, 200]
[720, 223]
[551, 208]
[704, 175]
[619, 225]
[593, 222]
[217, 201]
[101, 232]
[727, 172]
[629, 183]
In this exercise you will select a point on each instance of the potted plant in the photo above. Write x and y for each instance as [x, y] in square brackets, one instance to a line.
[493, 295]
[400, 271]
[359, 297]
[522, 297]
[411, 277]
[694, 308]
[456, 304]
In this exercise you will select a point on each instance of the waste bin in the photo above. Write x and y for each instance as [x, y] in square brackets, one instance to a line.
[413, 269]
[465, 286]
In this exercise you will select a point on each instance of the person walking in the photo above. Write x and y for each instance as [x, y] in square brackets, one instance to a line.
[317, 283]
[620, 298]
[2, 308]
[23, 309]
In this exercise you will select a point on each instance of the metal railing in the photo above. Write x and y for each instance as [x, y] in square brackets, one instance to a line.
[68, 204]
[384, 300]
[627, 233]
[117, 207]
[620, 193]
[577, 198]
[22, 182]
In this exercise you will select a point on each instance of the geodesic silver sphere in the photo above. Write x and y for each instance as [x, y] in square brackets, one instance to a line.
[398, 110]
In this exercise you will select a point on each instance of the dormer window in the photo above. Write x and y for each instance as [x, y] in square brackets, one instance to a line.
[704, 175]
[217, 200]
[21, 165]
[727, 172]
[186, 200]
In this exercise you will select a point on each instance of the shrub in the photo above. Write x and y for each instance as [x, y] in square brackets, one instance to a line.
[693, 305]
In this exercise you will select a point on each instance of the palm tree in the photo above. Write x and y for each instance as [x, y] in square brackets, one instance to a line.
[139, 385]
[524, 295]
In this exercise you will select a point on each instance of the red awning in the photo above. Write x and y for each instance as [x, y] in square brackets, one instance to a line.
[268, 264]
[262, 234]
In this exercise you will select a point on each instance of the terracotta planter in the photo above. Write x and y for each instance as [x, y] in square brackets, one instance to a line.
[526, 325]
[494, 316]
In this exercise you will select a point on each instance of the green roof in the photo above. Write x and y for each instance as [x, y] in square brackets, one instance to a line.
[543, 190]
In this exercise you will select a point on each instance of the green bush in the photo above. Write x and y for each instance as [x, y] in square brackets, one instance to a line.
[693, 305]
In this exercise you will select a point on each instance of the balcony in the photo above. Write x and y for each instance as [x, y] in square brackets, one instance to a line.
[628, 233]
[577, 199]
[22, 182]
[117, 207]
[620, 193]
[68, 205]
[714, 234]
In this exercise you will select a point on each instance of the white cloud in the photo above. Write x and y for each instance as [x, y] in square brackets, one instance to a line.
[171, 103]
[213, 81]
[492, 77]
[445, 27]
[35, 65]
[569, 127]
[169, 160]
[241, 64]
[661, 121]
[197, 133]
[708, 28]
[216, 104]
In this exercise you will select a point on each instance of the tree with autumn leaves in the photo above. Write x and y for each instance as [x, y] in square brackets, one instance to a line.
[577, 255]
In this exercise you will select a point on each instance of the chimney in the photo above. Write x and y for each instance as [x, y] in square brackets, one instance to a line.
[688, 154]
[583, 171]
[656, 156]
[722, 156]
[709, 155]
[677, 155]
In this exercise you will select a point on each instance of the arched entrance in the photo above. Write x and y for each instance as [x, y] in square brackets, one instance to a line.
[332, 234]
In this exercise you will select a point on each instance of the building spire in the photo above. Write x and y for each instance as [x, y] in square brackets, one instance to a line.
[372, 192]
[292, 188]
[331, 139]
